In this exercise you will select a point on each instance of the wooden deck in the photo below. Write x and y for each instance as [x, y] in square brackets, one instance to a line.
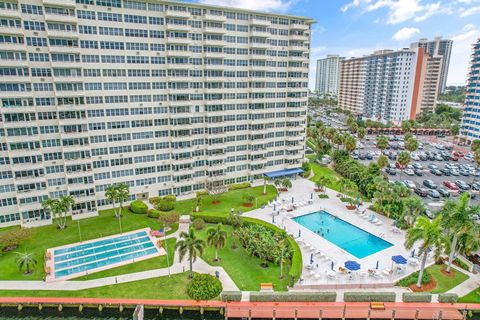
[272, 310]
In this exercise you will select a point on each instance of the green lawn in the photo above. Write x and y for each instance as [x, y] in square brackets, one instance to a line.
[173, 287]
[244, 269]
[150, 264]
[444, 282]
[472, 297]
[228, 200]
[319, 171]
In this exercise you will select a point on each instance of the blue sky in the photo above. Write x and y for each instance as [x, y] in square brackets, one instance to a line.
[357, 27]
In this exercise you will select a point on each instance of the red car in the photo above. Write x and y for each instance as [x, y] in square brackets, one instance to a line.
[458, 154]
[450, 185]
[398, 165]
[453, 158]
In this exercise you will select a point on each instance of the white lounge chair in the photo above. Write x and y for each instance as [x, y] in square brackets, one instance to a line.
[379, 222]
[387, 271]
[317, 276]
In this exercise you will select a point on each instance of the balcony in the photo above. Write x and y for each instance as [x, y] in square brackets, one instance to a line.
[296, 26]
[215, 30]
[260, 34]
[10, 30]
[60, 18]
[261, 45]
[178, 40]
[179, 27]
[212, 42]
[60, 3]
[178, 14]
[62, 34]
[65, 49]
[214, 17]
[10, 13]
[260, 22]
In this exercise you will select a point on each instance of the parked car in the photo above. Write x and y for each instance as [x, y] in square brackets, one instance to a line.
[462, 185]
[453, 158]
[429, 184]
[418, 173]
[432, 166]
[429, 214]
[458, 154]
[454, 172]
[409, 184]
[443, 192]
[369, 156]
[450, 185]
[409, 172]
[436, 172]
[391, 171]
[422, 192]
[417, 165]
[475, 186]
[464, 172]
[445, 171]
[434, 194]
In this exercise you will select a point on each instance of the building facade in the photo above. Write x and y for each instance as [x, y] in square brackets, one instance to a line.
[389, 85]
[438, 47]
[328, 73]
[470, 128]
[164, 96]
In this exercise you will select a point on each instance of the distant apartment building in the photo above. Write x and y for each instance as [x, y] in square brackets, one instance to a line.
[166, 97]
[328, 72]
[470, 128]
[389, 85]
[438, 47]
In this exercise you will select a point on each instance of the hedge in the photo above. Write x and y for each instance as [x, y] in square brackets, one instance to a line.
[369, 297]
[238, 186]
[416, 297]
[297, 263]
[138, 207]
[293, 296]
[231, 296]
[447, 297]
[153, 213]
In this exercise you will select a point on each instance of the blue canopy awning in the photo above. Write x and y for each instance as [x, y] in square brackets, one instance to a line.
[352, 265]
[283, 173]
[399, 259]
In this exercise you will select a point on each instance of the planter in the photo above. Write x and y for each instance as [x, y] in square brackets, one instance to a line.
[318, 190]
[351, 207]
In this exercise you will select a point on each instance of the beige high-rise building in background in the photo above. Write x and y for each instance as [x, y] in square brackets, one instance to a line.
[352, 85]
[327, 76]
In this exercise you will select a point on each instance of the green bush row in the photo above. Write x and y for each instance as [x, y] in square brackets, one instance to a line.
[461, 264]
[416, 297]
[231, 296]
[238, 186]
[138, 207]
[369, 297]
[447, 297]
[323, 196]
[153, 213]
[293, 296]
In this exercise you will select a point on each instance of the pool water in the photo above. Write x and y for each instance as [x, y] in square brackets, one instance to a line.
[101, 253]
[350, 238]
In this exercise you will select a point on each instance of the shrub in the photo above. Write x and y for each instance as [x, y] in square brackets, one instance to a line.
[202, 193]
[138, 207]
[170, 197]
[198, 224]
[369, 297]
[204, 287]
[154, 200]
[231, 296]
[238, 186]
[447, 297]
[416, 297]
[168, 218]
[9, 240]
[165, 205]
[461, 264]
[153, 213]
[412, 279]
[323, 196]
[293, 296]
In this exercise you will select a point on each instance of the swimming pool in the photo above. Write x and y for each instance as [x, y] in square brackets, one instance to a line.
[352, 239]
[78, 259]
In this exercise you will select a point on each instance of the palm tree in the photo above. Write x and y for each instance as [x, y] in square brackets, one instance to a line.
[350, 143]
[430, 233]
[411, 144]
[26, 260]
[190, 245]
[286, 183]
[322, 182]
[457, 221]
[117, 193]
[382, 161]
[477, 157]
[66, 203]
[404, 159]
[52, 206]
[382, 142]
[216, 238]
[235, 220]
[361, 133]
[198, 202]
[277, 183]
[412, 208]
[265, 180]
[123, 193]
[111, 195]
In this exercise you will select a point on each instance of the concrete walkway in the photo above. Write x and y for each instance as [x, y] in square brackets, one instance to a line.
[199, 266]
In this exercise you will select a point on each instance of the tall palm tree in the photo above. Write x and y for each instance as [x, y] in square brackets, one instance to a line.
[286, 183]
[26, 260]
[457, 222]
[361, 133]
[350, 143]
[111, 195]
[190, 245]
[430, 233]
[404, 159]
[411, 144]
[412, 208]
[51, 205]
[265, 180]
[117, 193]
[382, 142]
[382, 161]
[123, 193]
[216, 237]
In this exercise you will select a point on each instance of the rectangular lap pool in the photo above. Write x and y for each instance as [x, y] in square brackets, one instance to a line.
[350, 238]
[94, 255]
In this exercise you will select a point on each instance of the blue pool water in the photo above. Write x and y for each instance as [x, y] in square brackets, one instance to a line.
[101, 253]
[350, 238]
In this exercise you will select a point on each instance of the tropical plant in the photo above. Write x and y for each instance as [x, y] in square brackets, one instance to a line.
[53, 206]
[382, 161]
[249, 198]
[382, 142]
[10, 239]
[407, 136]
[403, 159]
[198, 224]
[361, 133]
[286, 183]
[477, 157]
[168, 218]
[216, 237]
[430, 233]
[322, 182]
[265, 180]
[412, 208]
[458, 223]
[117, 193]
[411, 144]
[189, 245]
[198, 202]
[350, 143]
[204, 287]
[277, 182]
[475, 145]
[26, 260]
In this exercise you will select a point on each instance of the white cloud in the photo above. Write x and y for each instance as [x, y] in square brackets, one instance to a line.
[461, 52]
[261, 5]
[469, 11]
[405, 33]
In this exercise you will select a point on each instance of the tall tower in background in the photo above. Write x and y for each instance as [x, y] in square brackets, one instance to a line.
[470, 128]
[437, 47]
[328, 72]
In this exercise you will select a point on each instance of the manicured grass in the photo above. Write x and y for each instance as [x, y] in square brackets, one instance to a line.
[173, 287]
[472, 297]
[244, 269]
[150, 264]
[319, 171]
[228, 200]
[46, 237]
[445, 283]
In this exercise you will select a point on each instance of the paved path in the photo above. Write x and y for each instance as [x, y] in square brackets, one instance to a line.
[177, 267]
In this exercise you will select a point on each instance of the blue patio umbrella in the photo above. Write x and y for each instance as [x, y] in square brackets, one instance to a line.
[274, 206]
[376, 267]
[292, 199]
[332, 265]
[299, 233]
[352, 265]
[413, 253]
[273, 218]
[399, 259]
[311, 196]
[311, 258]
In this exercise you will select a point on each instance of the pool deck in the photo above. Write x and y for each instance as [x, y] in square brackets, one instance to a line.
[50, 262]
[316, 278]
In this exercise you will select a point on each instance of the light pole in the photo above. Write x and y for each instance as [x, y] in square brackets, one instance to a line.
[166, 250]
[79, 231]
[120, 222]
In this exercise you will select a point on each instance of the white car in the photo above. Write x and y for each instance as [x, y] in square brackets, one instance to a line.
[409, 172]
[409, 184]
[415, 157]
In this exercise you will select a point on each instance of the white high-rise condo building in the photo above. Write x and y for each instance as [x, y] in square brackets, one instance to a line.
[328, 73]
[470, 129]
[438, 47]
[164, 96]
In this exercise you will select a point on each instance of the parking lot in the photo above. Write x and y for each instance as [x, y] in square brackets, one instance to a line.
[441, 156]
